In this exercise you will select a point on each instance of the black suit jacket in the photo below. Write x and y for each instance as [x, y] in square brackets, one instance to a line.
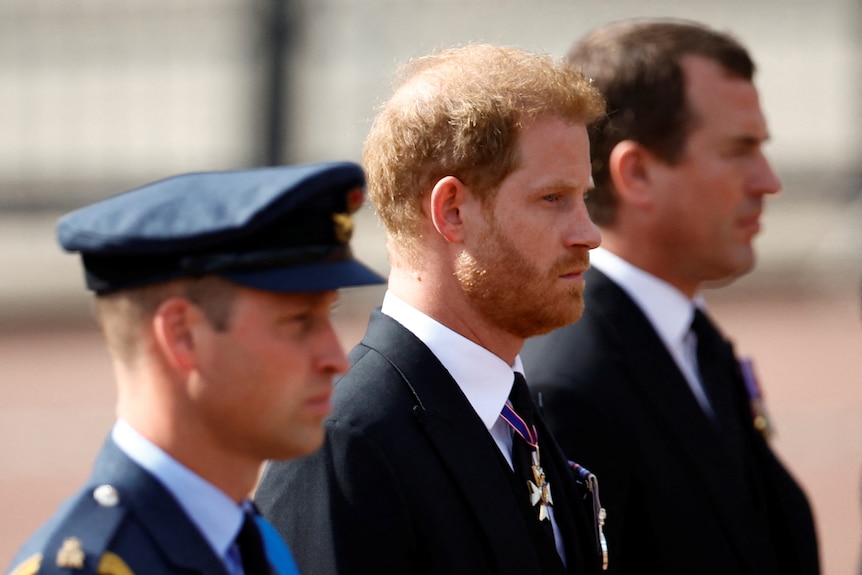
[676, 501]
[409, 480]
[145, 532]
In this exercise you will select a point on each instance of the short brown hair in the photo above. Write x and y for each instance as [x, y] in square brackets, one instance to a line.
[636, 65]
[123, 314]
[459, 112]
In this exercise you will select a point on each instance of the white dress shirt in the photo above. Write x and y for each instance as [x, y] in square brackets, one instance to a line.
[484, 378]
[215, 514]
[668, 310]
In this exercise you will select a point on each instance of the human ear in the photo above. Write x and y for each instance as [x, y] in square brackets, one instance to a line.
[174, 333]
[446, 204]
[629, 165]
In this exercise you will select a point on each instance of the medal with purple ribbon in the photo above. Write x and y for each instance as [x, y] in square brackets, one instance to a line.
[755, 398]
[539, 488]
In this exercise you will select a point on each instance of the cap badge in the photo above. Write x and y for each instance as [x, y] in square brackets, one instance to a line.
[343, 227]
[70, 555]
[355, 198]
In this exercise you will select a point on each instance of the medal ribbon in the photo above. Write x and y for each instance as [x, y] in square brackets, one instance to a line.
[519, 426]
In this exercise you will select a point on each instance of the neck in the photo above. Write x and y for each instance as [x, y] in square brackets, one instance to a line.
[641, 256]
[233, 474]
[171, 424]
[446, 303]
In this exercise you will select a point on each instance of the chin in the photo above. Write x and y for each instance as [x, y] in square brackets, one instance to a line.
[559, 319]
[730, 274]
[744, 264]
[306, 446]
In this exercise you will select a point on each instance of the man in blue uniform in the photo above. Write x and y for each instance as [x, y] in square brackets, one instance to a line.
[214, 293]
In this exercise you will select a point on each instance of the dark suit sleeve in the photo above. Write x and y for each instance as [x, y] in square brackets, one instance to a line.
[340, 510]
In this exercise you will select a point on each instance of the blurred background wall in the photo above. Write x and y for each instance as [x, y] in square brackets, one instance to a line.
[99, 96]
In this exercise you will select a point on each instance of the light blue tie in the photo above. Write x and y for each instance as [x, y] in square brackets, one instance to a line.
[276, 550]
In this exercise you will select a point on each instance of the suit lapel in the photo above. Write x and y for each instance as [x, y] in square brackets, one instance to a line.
[460, 440]
[661, 387]
[157, 511]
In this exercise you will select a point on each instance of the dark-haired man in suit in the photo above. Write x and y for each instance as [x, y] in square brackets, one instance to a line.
[644, 390]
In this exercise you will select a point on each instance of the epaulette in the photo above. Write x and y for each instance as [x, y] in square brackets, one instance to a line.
[80, 540]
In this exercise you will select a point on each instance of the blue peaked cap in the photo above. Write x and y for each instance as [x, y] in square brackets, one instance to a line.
[281, 229]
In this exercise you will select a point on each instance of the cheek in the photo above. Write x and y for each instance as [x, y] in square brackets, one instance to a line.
[278, 373]
[721, 182]
[257, 373]
[698, 195]
[527, 237]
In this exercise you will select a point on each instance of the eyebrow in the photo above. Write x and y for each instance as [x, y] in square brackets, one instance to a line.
[565, 185]
[746, 140]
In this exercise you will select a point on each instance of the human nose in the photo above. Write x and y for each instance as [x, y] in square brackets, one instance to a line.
[584, 232]
[330, 357]
[763, 179]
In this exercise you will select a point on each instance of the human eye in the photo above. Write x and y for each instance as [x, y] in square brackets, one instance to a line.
[303, 315]
[743, 147]
[559, 198]
[295, 325]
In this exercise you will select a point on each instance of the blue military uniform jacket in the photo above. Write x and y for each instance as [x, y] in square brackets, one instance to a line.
[133, 526]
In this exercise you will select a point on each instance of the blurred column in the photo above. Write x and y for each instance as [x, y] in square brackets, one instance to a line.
[276, 28]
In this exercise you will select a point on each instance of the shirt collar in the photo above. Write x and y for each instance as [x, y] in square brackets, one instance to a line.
[215, 514]
[484, 378]
[668, 309]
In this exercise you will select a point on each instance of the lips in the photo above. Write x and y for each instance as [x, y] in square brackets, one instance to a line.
[320, 403]
[574, 274]
[572, 267]
[750, 224]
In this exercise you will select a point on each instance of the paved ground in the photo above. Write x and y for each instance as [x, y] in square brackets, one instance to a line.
[798, 315]
[56, 403]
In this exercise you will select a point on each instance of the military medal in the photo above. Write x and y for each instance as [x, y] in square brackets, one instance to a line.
[599, 513]
[755, 398]
[540, 490]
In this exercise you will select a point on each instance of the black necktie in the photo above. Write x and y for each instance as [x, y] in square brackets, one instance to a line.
[722, 381]
[719, 373]
[541, 531]
[250, 543]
